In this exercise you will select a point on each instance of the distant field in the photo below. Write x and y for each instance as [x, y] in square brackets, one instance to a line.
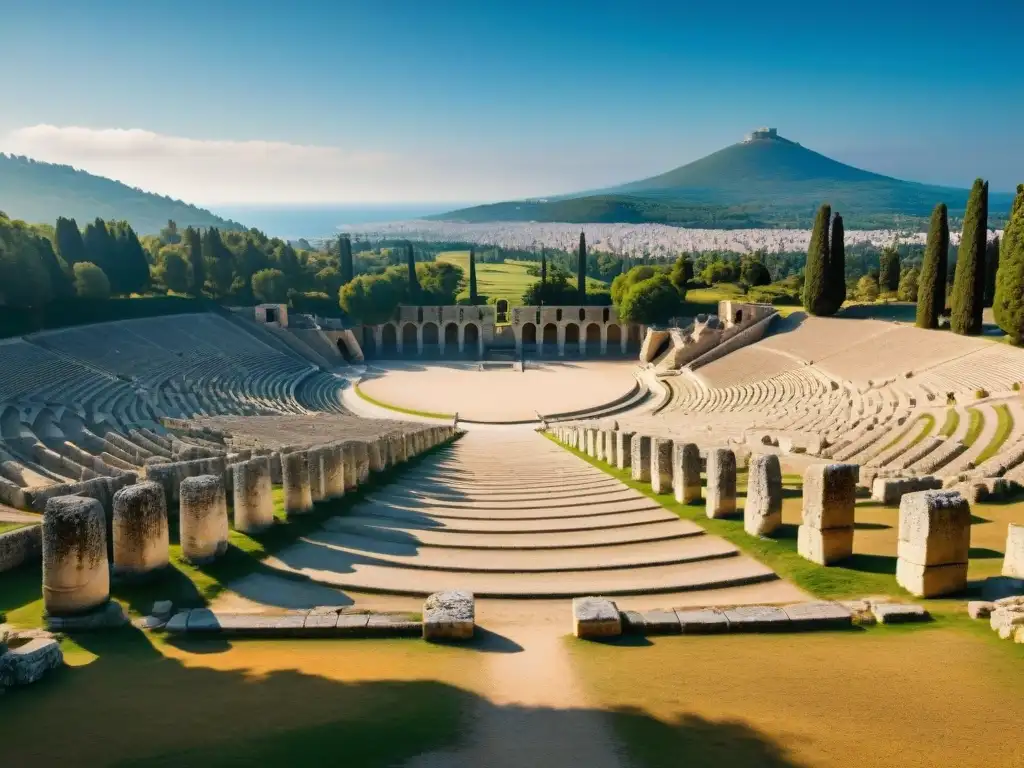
[503, 281]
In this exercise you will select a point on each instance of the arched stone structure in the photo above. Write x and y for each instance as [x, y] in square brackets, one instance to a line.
[389, 340]
[529, 334]
[571, 340]
[451, 335]
[410, 339]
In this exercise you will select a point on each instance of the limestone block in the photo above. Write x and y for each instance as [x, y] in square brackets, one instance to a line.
[762, 513]
[203, 512]
[818, 615]
[332, 469]
[757, 618]
[704, 621]
[935, 528]
[362, 454]
[295, 479]
[824, 547]
[348, 455]
[609, 447]
[686, 472]
[599, 450]
[661, 623]
[316, 478]
[449, 616]
[623, 449]
[1013, 562]
[76, 576]
[591, 437]
[162, 609]
[980, 609]
[640, 462]
[595, 617]
[830, 492]
[891, 490]
[721, 492]
[140, 531]
[931, 580]
[898, 613]
[253, 500]
[661, 466]
[29, 663]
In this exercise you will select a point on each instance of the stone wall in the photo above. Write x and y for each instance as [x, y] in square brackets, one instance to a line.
[20, 546]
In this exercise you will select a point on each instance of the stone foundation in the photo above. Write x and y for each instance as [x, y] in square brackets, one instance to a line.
[449, 616]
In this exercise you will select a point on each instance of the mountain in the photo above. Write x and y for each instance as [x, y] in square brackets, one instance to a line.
[40, 192]
[765, 180]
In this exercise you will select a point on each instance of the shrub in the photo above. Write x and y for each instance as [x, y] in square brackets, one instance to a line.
[980, 393]
[1016, 386]
[90, 281]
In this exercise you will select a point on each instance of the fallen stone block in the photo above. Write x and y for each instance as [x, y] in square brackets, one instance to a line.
[449, 616]
[898, 613]
[818, 615]
[595, 617]
[633, 623]
[980, 609]
[28, 663]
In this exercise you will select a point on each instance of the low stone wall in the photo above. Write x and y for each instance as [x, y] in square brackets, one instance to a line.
[20, 546]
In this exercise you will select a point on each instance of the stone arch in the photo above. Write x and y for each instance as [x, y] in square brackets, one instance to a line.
[471, 336]
[529, 333]
[409, 337]
[593, 335]
[583, 314]
[343, 351]
[451, 335]
[614, 335]
[572, 333]
[369, 344]
[550, 334]
[739, 316]
[430, 333]
[389, 339]
[558, 315]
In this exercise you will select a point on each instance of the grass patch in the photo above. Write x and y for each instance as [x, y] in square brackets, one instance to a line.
[974, 425]
[399, 409]
[860, 575]
[507, 281]
[1004, 426]
[6, 527]
[193, 586]
[927, 422]
[951, 423]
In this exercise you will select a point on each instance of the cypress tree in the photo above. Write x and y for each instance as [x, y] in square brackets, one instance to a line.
[816, 297]
[991, 270]
[99, 245]
[414, 283]
[889, 269]
[472, 277]
[1008, 304]
[193, 242]
[969, 284]
[837, 264]
[931, 287]
[543, 267]
[346, 268]
[68, 240]
[581, 269]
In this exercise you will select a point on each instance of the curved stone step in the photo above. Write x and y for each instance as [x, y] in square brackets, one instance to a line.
[509, 487]
[582, 499]
[490, 525]
[524, 493]
[443, 514]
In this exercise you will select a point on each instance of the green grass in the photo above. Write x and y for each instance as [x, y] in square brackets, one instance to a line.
[1004, 426]
[399, 409]
[951, 423]
[928, 424]
[974, 426]
[507, 281]
[859, 575]
[191, 585]
[5, 527]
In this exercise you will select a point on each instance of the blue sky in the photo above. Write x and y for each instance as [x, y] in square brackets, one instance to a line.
[351, 101]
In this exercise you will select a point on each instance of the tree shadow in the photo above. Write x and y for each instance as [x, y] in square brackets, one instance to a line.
[871, 526]
[984, 553]
[871, 563]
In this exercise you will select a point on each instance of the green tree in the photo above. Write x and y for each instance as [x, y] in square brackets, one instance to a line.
[622, 283]
[543, 268]
[752, 271]
[414, 285]
[991, 269]
[329, 280]
[816, 297]
[867, 288]
[473, 297]
[24, 281]
[127, 267]
[345, 264]
[68, 240]
[61, 285]
[439, 282]
[889, 269]
[681, 274]
[99, 245]
[651, 301]
[1008, 303]
[908, 287]
[969, 283]
[169, 235]
[581, 269]
[837, 265]
[218, 262]
[931, 290]
[90, 281]
[197, 267]
[174, 271]
[373, 299]
[270, 286]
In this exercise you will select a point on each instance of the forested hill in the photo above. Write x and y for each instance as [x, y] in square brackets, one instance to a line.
[40, 192]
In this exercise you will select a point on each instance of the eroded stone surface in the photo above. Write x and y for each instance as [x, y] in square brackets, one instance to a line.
[757, 618]
[898, 613]
[762, 513]
[721, 490]
[640, 463]
[661, 623]
[818, 615]
[661, 465]
[706, 621]
[203, 513]
[1013, 561]
[140, 531]
[295, 479]
[829, 494]
[686, 472]
[449, 616]
[76, 576]
[595, 617]
[253, 501]
[825, 547]
[29, 663]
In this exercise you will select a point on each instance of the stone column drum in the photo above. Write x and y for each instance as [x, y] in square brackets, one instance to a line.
[599, 448]
[686, 472]
[721, 493]
[661, 465]
[362, 454]
[934, 541]
[348, 455]
[763, 511]
[1013, 562]
[623, 449]
[295, 479]
[140, 531]
[203, 518]
[378, 457]
[76, 574]
[253, 495]
[316, 478]
[641, 458]
[332, 469]
[830, 492]
[609, 447]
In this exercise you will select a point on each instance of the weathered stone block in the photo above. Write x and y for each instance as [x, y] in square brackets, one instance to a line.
[661, 466]
[705, 621]
[721, 491]
[203, 515]
[253, 500]
[1013, 562]
[449, 616]
[898, 613]
[295, 479]
[824, 547]
[76, 576]
[830, 492]
[141, 538]
[623, 449]
[931, 580]
[935, 528]
[640, 462]
[316, 477]
[610, 454]
[29, 663]
[757, 618]
[818, 615]
[686, 472]
[762, 513]
[595, 617]
[980, 609]
[661, 623]
[332, 469]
